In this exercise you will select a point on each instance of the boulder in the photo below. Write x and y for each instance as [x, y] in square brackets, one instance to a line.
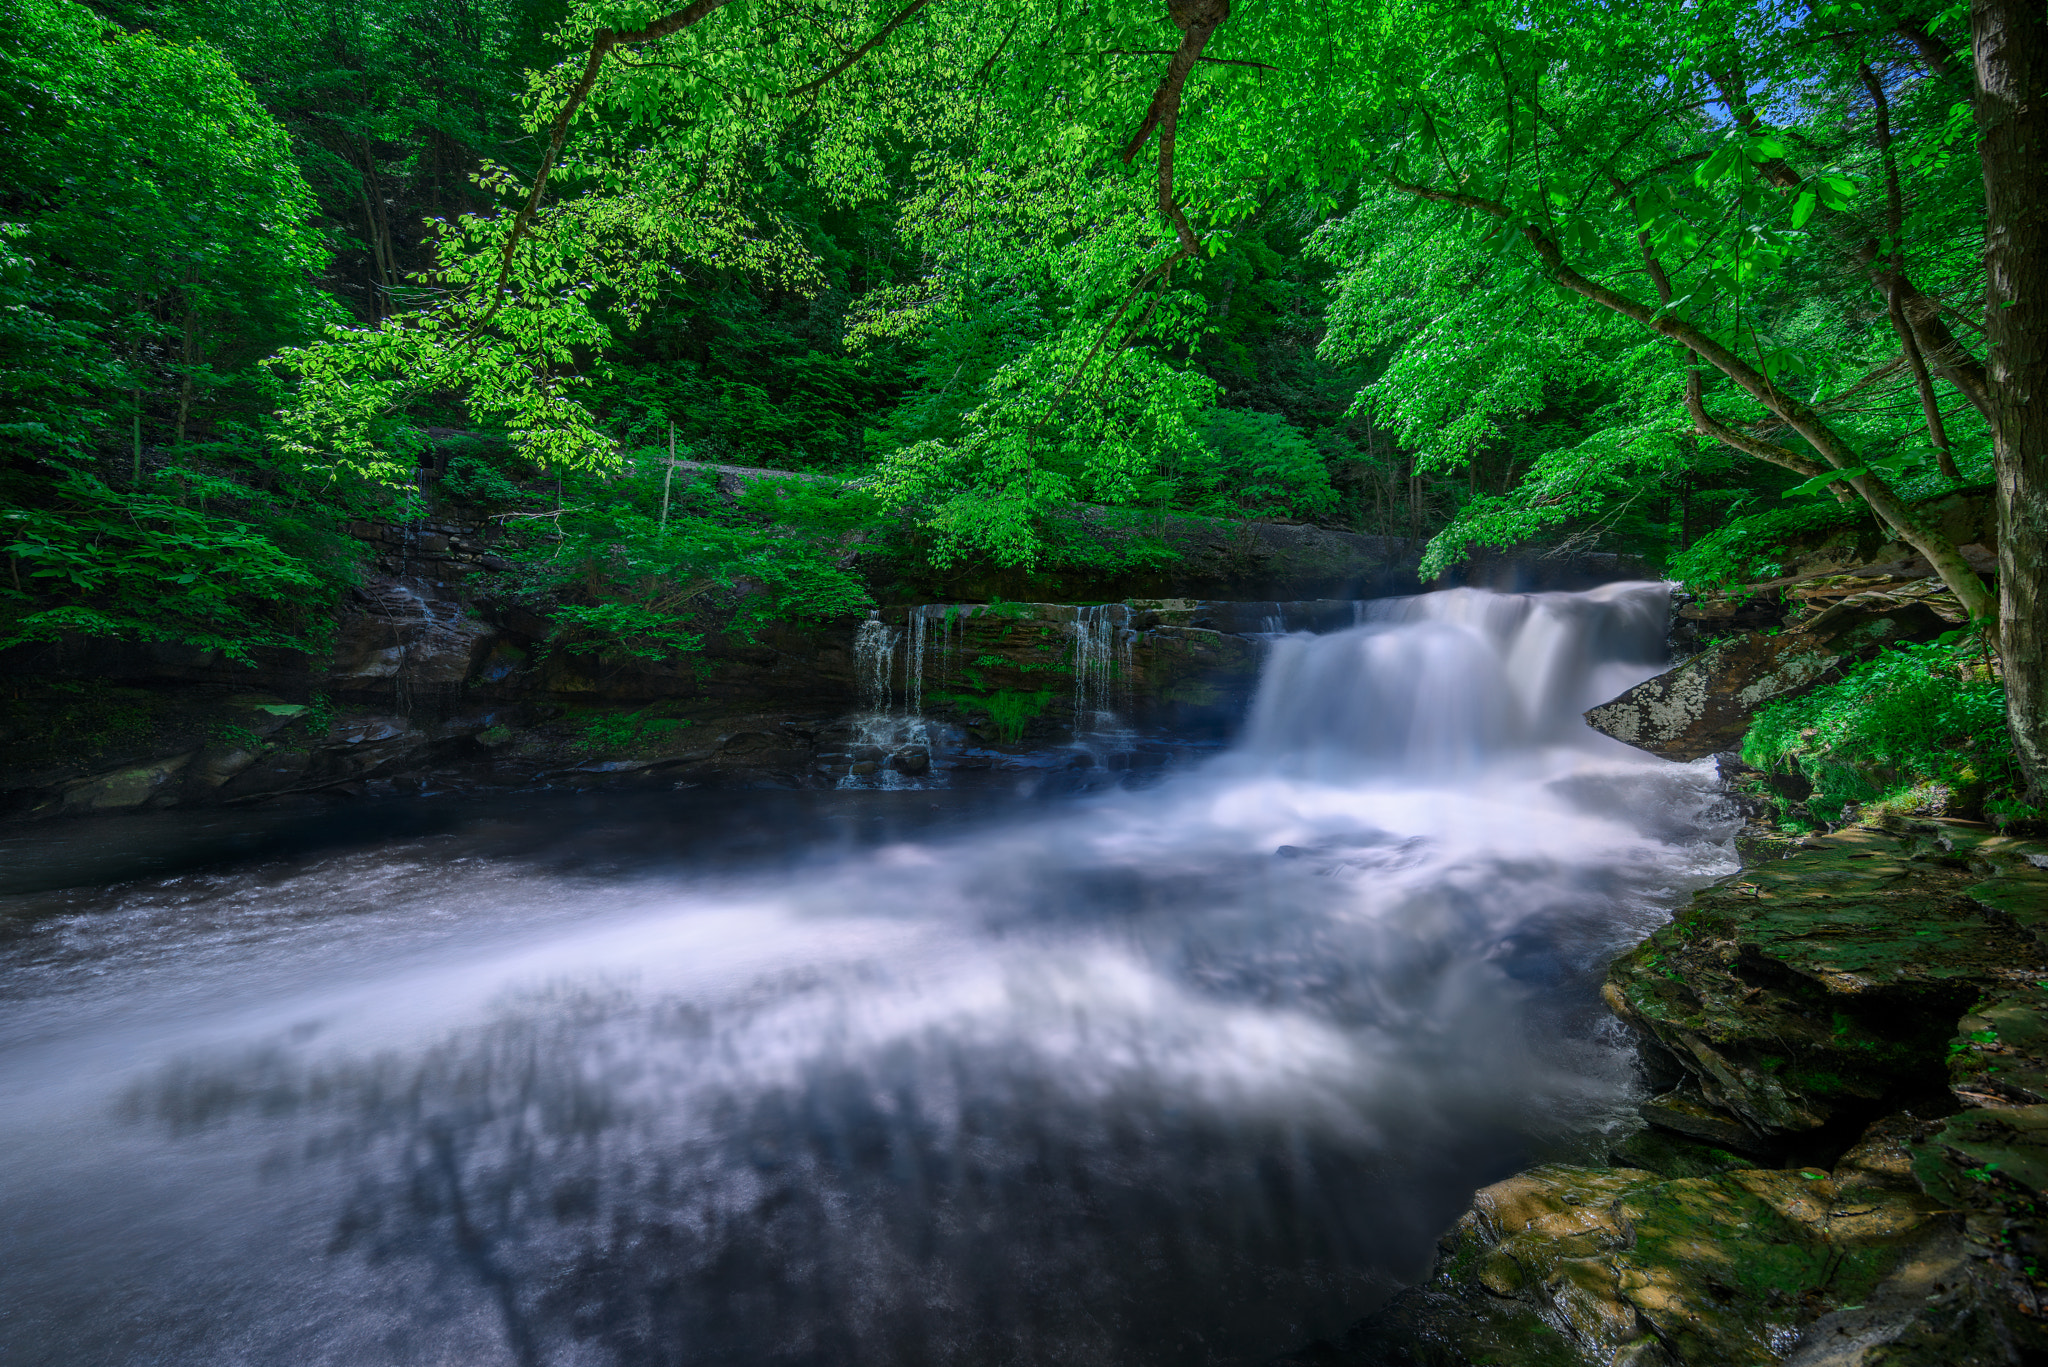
[1595, 1267]
[1819, 990]
[126, 789]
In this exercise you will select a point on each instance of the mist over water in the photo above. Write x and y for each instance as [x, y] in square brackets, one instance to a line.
[1188, 1075]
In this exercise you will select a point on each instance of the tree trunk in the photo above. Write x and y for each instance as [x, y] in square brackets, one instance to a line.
[2009, 39]
[189, 357]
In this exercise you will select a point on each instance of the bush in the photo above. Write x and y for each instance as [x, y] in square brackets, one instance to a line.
[1921, 728]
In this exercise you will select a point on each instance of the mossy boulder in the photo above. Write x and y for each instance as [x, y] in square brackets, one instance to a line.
[1582, 1266]
[1821, 990]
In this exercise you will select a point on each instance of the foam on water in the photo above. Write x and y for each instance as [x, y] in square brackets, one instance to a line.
[1187, 1075]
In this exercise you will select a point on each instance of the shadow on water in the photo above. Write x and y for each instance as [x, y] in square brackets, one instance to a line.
[731, 828]
[1181, 1076]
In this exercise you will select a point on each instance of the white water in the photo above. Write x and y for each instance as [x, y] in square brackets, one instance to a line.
[1188, 1075]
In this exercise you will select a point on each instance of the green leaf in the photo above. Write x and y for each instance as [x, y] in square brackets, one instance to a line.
[1819, 483]
[1803, 208]
[1835, 191]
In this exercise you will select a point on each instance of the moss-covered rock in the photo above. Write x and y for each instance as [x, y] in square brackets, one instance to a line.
[1583, 1266]
[1821, 990]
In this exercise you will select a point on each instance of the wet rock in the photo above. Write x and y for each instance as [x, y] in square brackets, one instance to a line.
[1911, 1317]
[1881, 1157]
[1656, 1149]
[405, 636]
[1583, 1266]
[1992, 1165]
[270, 773]
[1704, 705]
[1684, 1111]
[126, 789]
[1999, 1056]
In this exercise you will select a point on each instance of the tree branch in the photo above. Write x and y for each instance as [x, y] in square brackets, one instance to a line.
[600, 44]
[1871, 487]
[1196, 20]
[1895, 218]
[1937, 344]
[881, 36]
[1168, 52]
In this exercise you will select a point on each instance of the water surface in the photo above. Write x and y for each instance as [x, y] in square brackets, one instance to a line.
[1182, 1076]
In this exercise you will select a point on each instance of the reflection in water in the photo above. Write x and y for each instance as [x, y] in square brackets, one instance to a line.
[1181, 1076]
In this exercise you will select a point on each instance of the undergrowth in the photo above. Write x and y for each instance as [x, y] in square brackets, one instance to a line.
[1009, 710]
[1920, 730]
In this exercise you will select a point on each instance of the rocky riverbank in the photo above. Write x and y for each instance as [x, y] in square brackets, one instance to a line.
[432, 686]
[1844, 1160]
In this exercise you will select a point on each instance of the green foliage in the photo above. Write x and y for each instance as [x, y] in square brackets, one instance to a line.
[162, 244]
[1009, 711]
[1261, 467]
[614, 732]
[190, 557]
[635, 629]
[1916, 717]
[1553, 185]
[619, 580]
[1748, 548]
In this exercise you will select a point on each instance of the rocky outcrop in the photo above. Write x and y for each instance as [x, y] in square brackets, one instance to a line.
[1563, 1265]
[1867, 549]
[1705, 704]
[1807, 1191]
[1845, 594]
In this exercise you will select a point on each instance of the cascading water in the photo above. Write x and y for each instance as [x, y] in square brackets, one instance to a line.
[888, 747]
[1182, 1076]
[1103, 650]
[874, 664]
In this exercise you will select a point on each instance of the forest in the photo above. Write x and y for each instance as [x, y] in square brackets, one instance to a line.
[1673, 279]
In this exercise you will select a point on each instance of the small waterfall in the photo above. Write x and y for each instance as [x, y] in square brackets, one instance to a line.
[1103, 661]
[874, 663]
[888, 749]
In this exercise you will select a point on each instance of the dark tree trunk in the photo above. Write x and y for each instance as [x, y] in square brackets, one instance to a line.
[2010, 42]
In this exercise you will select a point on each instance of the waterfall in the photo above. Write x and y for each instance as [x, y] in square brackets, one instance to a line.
[874, 663]
[1452, 682]
[1104, 646]
[1178, 1077]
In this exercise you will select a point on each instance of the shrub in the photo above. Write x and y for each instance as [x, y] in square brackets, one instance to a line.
[1919, 728]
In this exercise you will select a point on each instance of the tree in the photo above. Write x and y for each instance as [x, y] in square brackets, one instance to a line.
[2010, 42]
[159, 247]
[1690, 172]
[1033, 132]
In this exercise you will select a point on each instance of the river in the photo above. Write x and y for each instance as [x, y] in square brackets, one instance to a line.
[1190, 1074]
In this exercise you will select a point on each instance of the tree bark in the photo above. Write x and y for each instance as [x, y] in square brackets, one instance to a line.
[189, 356]
[2009, 39]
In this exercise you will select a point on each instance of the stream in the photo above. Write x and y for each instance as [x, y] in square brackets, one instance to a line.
[1191, 1074]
